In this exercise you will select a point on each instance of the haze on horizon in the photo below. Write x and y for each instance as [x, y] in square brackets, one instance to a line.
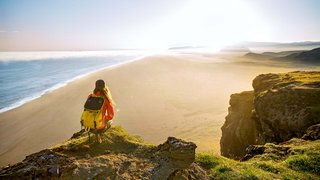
[111, 24]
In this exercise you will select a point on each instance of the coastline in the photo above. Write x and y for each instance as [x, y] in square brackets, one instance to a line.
[62, 84]
[156, 97]
[15, 148]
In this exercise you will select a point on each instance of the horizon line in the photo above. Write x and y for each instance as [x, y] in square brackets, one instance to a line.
[167, 48]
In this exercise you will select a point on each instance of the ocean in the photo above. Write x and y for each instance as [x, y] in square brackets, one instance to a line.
[25, 76]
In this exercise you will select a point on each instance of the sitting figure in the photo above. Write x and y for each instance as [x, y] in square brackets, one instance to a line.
[98, 110]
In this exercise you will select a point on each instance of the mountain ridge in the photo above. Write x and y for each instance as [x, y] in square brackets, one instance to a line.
[308, 57]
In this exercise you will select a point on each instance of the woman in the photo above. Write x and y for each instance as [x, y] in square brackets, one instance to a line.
[102, 90]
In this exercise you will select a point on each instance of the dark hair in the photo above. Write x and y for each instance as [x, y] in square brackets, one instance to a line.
[100, 86]
[103, 89]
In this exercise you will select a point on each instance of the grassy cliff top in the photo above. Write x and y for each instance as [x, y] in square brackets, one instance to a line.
[297, 79]
[116, 139]
[294, 159]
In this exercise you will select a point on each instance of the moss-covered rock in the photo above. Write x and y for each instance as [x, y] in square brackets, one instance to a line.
[313, 133]
[282, 106]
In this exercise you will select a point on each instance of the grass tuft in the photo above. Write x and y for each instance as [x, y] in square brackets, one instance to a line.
[206, 160]
[268, 167]
[308, 162]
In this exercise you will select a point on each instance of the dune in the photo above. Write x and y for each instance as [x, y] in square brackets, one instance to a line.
[183, 96]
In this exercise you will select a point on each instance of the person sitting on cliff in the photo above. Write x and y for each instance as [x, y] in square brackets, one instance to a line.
[103, 91]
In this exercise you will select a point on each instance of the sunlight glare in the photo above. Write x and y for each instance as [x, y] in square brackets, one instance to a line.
[212, 23]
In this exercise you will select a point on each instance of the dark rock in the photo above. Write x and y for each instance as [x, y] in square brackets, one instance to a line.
[252, 151]
[54, 171]
[312, 133]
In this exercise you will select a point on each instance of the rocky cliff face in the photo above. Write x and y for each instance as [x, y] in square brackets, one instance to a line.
[239, 126]
[282, 106]
[120, 156]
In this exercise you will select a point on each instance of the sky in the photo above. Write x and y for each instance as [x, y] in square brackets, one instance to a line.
[30, 25]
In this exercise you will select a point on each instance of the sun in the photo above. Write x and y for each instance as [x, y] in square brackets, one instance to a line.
[212, 23]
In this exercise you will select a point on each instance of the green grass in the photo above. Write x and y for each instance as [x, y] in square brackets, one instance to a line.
[297, 78]
[268, 166]
[207, 161]
[269, 145]
[269, 156]
[308, 162]
[303, 162]
[115, 139]
[117, 133]
[305, 77]
[223, 168]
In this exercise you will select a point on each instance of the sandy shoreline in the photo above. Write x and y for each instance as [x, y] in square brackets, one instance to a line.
[156, 97]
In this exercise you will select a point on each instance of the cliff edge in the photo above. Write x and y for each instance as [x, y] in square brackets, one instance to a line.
[119, 156]
[281, 107]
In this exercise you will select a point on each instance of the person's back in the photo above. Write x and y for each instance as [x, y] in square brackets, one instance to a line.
[98, 110]
[107, 112]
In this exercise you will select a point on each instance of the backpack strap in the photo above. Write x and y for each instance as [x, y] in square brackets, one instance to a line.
[86, 129]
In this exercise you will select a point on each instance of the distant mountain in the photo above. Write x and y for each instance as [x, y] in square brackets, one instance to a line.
[281, 54]
[309, 56]
[257, 56]
[277, 44]
[184, 47]
[269, 55]
[304, 43]
[235, 48]
[258, 44]
[312, 56]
